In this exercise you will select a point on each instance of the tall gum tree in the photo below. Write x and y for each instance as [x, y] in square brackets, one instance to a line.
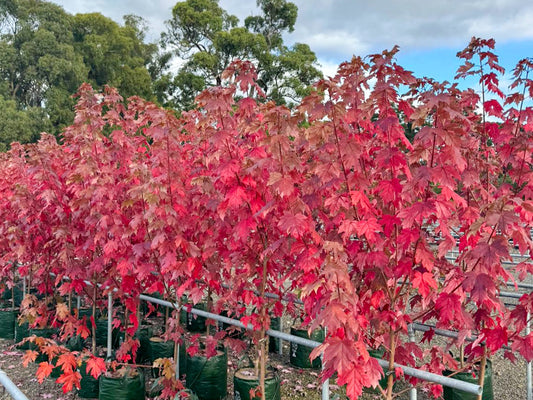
[208, 39]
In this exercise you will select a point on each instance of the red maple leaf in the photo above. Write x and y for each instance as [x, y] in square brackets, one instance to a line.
[424, 282]
[295, 225]
[95, 366]
[69, 380]
[481, 287]
[44, 371]
[524, 346]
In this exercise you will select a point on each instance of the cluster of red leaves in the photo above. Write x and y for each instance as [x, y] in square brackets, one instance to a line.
[330, 200]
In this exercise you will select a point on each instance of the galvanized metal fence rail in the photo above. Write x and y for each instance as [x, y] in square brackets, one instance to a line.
[11, 388]
[419, 374]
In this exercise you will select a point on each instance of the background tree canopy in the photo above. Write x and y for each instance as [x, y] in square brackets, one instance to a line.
[46, 53]
[208, 39]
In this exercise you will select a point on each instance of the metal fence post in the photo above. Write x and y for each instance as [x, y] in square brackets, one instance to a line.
[280, 340]
[528, 366]
[412, 339]
[325, 385]
[109, 323]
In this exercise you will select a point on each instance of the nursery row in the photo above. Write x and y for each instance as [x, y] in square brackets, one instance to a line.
[348, 204]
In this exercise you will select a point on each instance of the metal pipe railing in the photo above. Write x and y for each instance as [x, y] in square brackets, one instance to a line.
[11, 388]
[419, 374]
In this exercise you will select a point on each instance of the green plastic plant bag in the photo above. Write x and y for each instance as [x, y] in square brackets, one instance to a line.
[456, 394]
[143, 334]
[246, 380]
[128, 387]
[273, 343]
[101, 334]
[89, 387]
[22, 331]
[299, 355]
[160, 348]
[192, 322]
[8, 319]
[207, 377]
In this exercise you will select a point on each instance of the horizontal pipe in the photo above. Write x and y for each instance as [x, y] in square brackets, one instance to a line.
[424, 375]
[439, 379]
[11, 388]
[446, 333]
[511, 295]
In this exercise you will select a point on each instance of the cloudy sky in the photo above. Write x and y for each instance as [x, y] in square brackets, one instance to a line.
[429, 32]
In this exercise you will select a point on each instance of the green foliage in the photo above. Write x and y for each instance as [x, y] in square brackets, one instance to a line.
[46, 54]
[209, 40]
[114, 54]
[18, 125]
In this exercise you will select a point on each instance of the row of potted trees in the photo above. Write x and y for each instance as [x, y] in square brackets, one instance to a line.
[350, 201]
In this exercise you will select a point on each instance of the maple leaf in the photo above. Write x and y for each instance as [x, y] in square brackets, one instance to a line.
[95, 366]
[283, 184]
[83, 331]
[338, 352]
[496, 338]
[28, 357]
[436, 390]
[236, 197]
[389, 190]
[67, 361]
[416, 213]
[524, 346]
[449, 306]
[368, 227]
[62, 311]
[295, 225]
[424, 282]
[424, 256]
[44, 371]
[481, 288]
[69, 380]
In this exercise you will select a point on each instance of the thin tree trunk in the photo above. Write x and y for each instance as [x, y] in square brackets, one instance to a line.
[390, 378]
[483, 368]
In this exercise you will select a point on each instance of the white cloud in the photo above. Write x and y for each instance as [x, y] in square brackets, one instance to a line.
[329, 68]
[337, 29]
[412, 24]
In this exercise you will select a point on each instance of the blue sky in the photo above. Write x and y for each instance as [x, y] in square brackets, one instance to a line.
[429, 33]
